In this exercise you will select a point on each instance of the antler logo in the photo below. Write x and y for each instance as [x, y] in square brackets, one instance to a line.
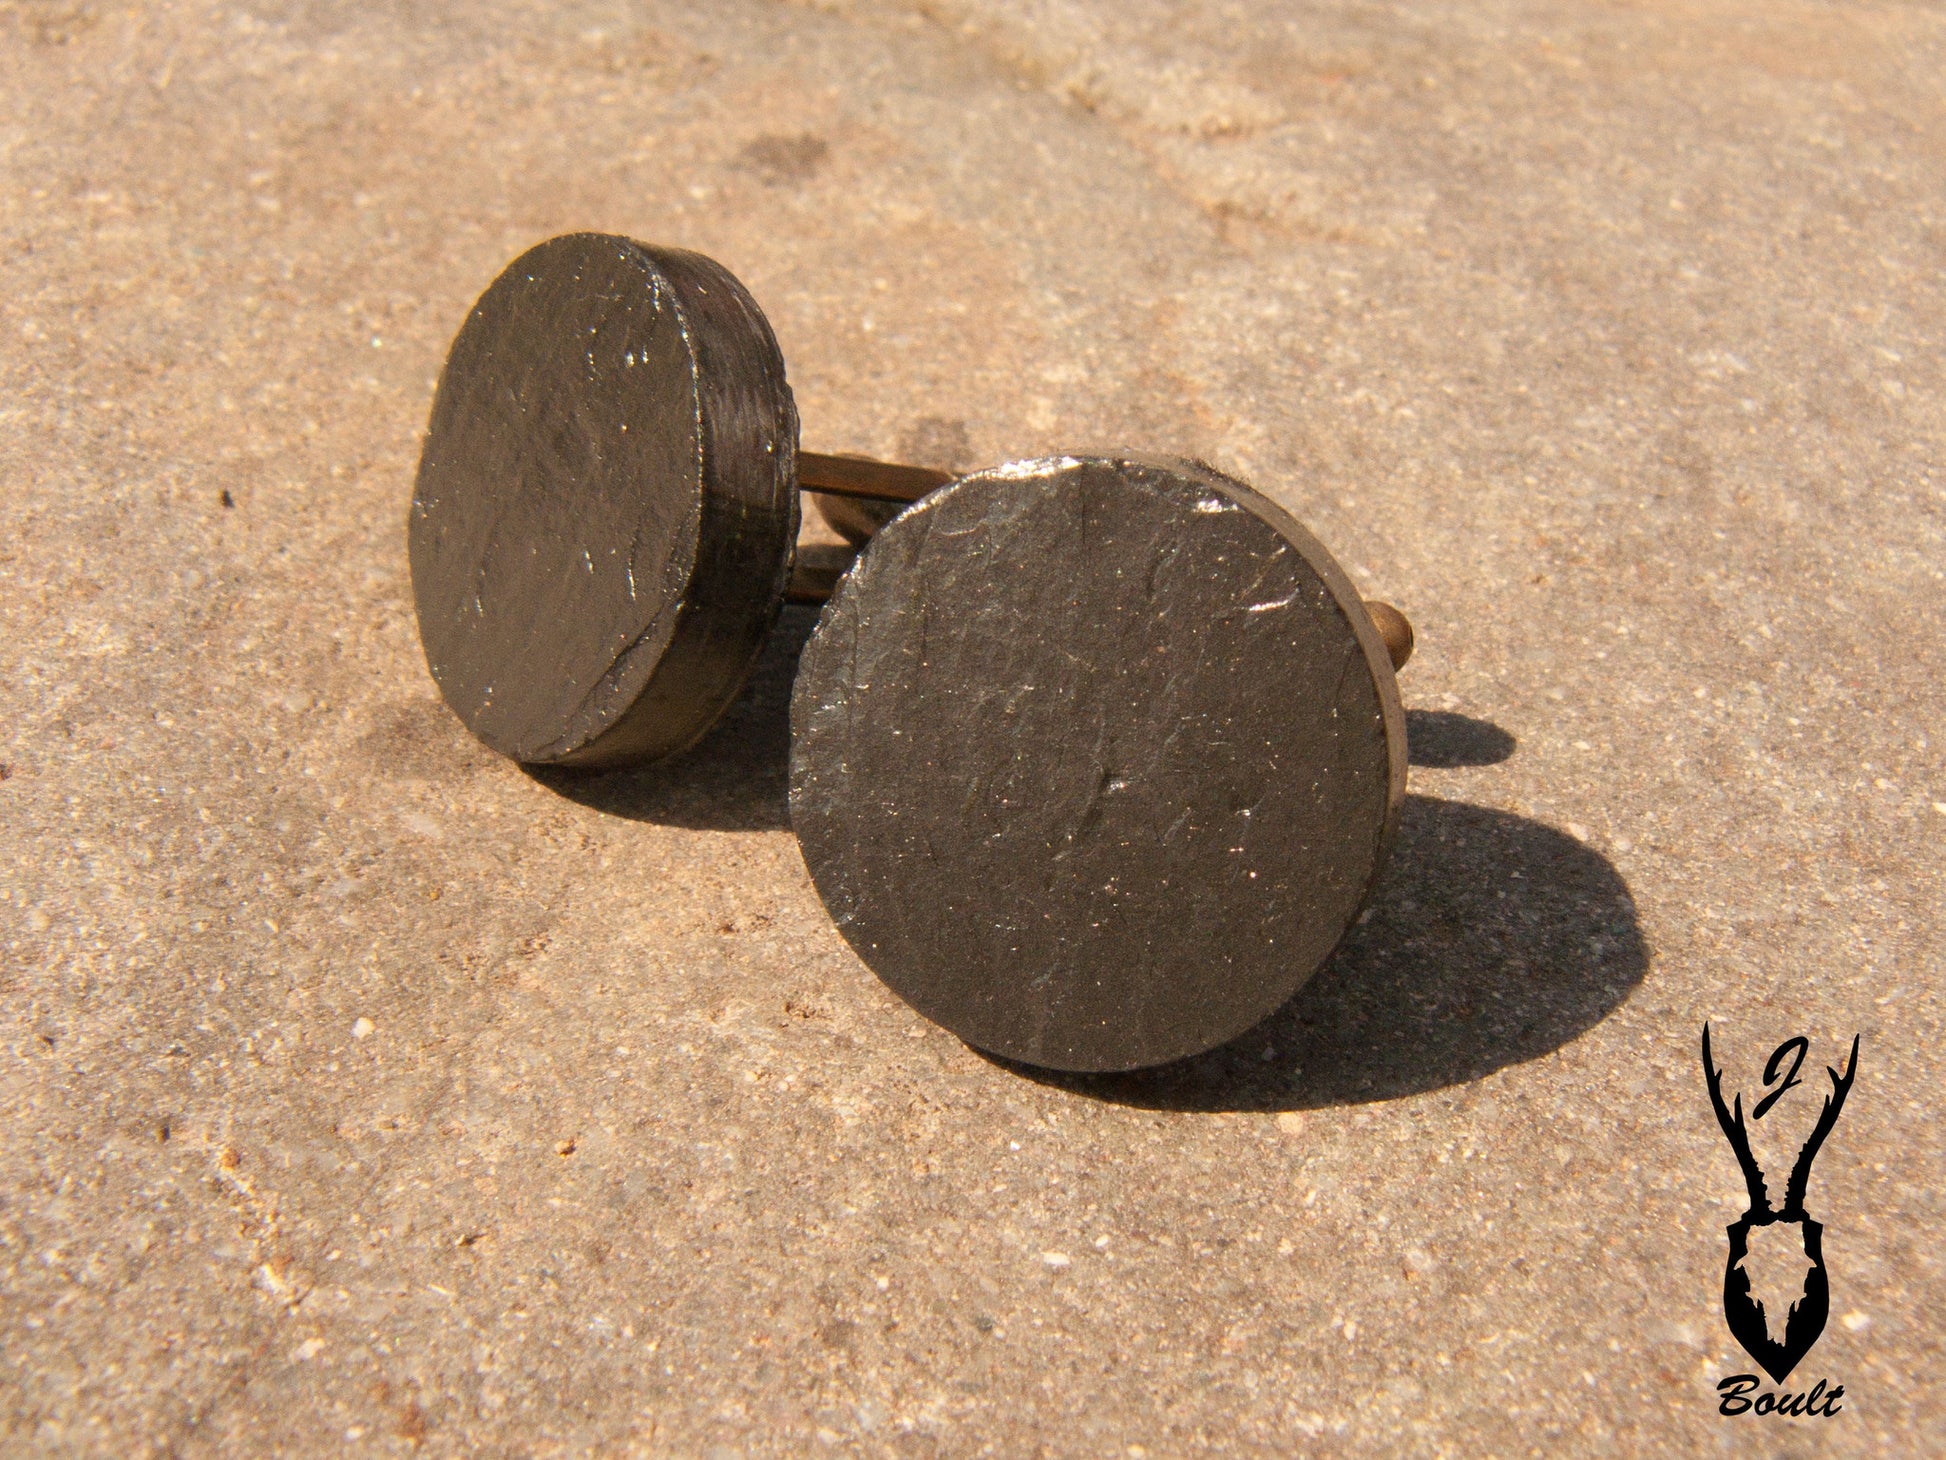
[1810, 1302]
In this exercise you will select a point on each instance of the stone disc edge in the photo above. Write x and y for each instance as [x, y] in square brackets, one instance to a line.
[747, 537]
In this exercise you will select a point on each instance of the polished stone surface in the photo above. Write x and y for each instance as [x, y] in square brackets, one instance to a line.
[1094, 760]
[601, 525]
[364, 1091]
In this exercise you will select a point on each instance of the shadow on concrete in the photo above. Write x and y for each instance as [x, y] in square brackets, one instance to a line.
[736, 778]
[1492, 940]
[1445, 741]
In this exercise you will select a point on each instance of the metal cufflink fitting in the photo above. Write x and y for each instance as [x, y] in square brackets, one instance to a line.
[1096, 758]
[606, 512]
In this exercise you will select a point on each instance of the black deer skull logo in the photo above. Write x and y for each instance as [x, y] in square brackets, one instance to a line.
[1804, 1320]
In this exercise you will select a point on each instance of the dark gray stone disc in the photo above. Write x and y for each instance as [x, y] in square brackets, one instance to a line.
[601, 534]
[1095, 759]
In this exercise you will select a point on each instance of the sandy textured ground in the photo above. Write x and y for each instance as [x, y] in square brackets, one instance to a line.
[362, 1092]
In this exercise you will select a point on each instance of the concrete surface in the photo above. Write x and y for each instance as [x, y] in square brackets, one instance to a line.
[364, 1093]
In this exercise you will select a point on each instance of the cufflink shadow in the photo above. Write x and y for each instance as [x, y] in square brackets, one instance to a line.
[1492, 940]
[1442, 740]
[736, 778]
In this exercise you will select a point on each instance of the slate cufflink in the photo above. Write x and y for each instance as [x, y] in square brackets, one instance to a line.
[606, 511]
[1096, 758]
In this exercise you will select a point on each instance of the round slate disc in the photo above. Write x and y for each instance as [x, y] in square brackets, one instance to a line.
[601, 534]
[1095, 759]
